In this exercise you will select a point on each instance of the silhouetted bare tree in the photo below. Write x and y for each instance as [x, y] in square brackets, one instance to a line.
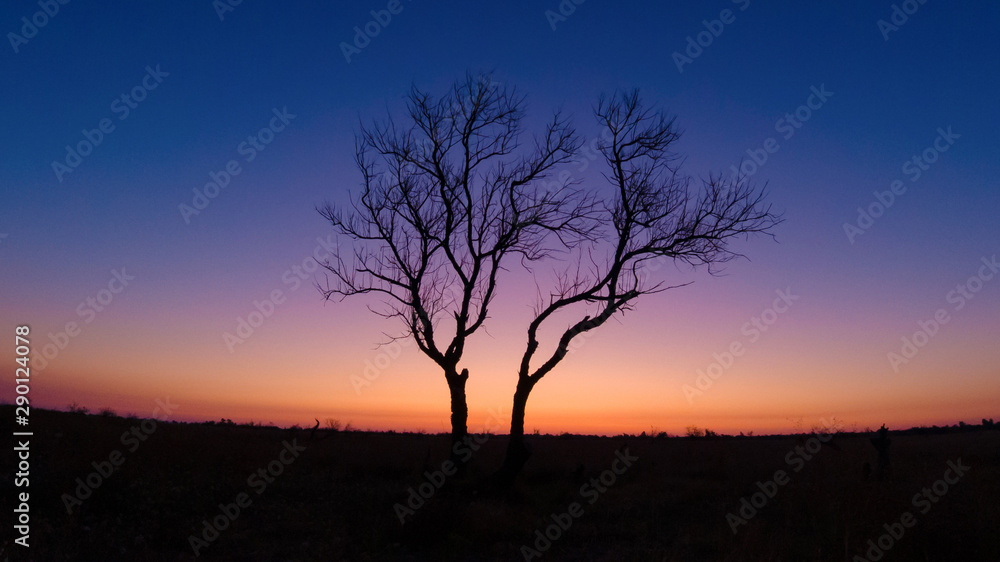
[447, 199]
[654, 213]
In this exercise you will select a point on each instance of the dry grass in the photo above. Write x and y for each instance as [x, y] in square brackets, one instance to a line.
[335, 502]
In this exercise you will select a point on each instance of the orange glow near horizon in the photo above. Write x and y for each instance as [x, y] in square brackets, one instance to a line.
[612, 384]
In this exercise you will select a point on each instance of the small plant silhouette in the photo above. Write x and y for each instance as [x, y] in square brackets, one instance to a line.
[881, 443]
[76, 408]
[694, 431]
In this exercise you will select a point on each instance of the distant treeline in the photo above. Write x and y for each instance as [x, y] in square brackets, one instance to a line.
[692, 432]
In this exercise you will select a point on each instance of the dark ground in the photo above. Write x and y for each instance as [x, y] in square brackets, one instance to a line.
[336, 500]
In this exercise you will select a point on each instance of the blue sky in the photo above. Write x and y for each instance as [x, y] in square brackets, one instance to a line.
[221, 80]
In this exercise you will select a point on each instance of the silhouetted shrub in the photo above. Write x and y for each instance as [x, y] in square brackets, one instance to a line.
[75, 408]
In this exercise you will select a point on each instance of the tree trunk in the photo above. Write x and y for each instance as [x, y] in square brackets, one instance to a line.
[459, 415]
[517, 450]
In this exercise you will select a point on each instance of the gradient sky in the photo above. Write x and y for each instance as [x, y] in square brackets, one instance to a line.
[826, 356]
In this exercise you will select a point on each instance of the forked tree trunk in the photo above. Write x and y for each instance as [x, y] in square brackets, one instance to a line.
[517, 450]
[459, 415]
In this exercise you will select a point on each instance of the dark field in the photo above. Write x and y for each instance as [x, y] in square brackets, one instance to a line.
[336, 500]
